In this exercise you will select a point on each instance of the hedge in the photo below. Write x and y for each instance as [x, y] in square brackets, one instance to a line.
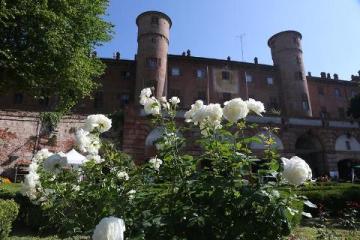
[8, 213]
[333, 197]
[30, 215]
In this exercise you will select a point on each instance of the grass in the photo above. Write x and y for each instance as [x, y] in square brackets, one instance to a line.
[301, 233]
[10, 187]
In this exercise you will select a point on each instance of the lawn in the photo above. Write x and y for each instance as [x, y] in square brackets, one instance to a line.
[301, 233]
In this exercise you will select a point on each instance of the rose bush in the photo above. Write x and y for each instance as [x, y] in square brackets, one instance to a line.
[223, 192]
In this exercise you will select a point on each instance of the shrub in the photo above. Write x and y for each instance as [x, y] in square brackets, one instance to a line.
[8, 212]
[331, 196]
[224, 192]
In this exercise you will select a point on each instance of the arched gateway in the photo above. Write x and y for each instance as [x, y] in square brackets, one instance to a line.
[309, 148]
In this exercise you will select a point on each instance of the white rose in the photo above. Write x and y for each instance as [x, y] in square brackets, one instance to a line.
[255, 106]
[131, 194]
[214, 112]
[155, 163]
[145, 95]
[30, 185]
[109, 228]
[87, 142]
[123, 175]
[98, 122]
[235, 110]
[152, 106]
[174, 100]
[189, 115]
[296, 170]
[95, 158]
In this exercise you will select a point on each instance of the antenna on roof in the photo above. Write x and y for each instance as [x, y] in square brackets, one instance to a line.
[241, 36]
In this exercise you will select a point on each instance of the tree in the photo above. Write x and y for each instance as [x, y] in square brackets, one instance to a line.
[354, 108]
[46, 45]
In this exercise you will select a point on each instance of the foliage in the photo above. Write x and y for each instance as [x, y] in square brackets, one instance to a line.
[354, 108]
[45, 48]
[8, 212]
[224, 192]
[84, 196]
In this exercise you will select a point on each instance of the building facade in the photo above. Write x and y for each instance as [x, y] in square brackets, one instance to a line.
[310, 111]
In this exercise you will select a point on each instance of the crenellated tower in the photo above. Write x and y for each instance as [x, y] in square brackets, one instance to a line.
[153, 44]
[287, 55]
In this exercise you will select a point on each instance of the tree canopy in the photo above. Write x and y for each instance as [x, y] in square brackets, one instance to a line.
[46, 46]
[354, 108]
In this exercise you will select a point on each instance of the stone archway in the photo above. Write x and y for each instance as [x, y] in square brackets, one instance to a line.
[309, 148]
[344, 168]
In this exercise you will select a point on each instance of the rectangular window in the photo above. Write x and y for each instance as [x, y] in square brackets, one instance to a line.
[125, 75]
[305, 102]
[153, 63]
[298, 60]
[200, 73]
[125, 98]
[341, 112]
[270, 80]
[273, 104]
[337, 92]
[299, 75]
[321, 91]
[248, 78]
[155, 20]
[323, 112]
[226, 96]
[18, 98]
[175, 71]
[225, 75]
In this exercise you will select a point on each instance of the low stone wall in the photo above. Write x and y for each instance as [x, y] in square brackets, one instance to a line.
[21, 135]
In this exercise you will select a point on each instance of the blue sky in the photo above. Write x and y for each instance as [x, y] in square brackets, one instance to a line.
[330, 29]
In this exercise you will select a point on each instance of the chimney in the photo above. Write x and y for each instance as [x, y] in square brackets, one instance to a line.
[117, 56]
[256, 60]
[309, 74]
[336, 77]
[328, 76]
[188, 53]
[323, 75]
[229, 58]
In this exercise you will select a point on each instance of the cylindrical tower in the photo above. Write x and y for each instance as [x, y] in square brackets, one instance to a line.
[287, 55]
[153, 43]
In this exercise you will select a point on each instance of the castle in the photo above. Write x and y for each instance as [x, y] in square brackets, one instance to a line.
[310, 111]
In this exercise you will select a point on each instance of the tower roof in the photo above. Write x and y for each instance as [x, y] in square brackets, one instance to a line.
[283, 32]
[154, 12]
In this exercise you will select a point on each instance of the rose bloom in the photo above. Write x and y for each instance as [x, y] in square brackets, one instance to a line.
[174, 100]
[152, 106]
[296, 170]
[235, 110]
[123, 175]
[98, 122]
[255, 106]
[189, 115]
[155, 163]
[109, 228]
